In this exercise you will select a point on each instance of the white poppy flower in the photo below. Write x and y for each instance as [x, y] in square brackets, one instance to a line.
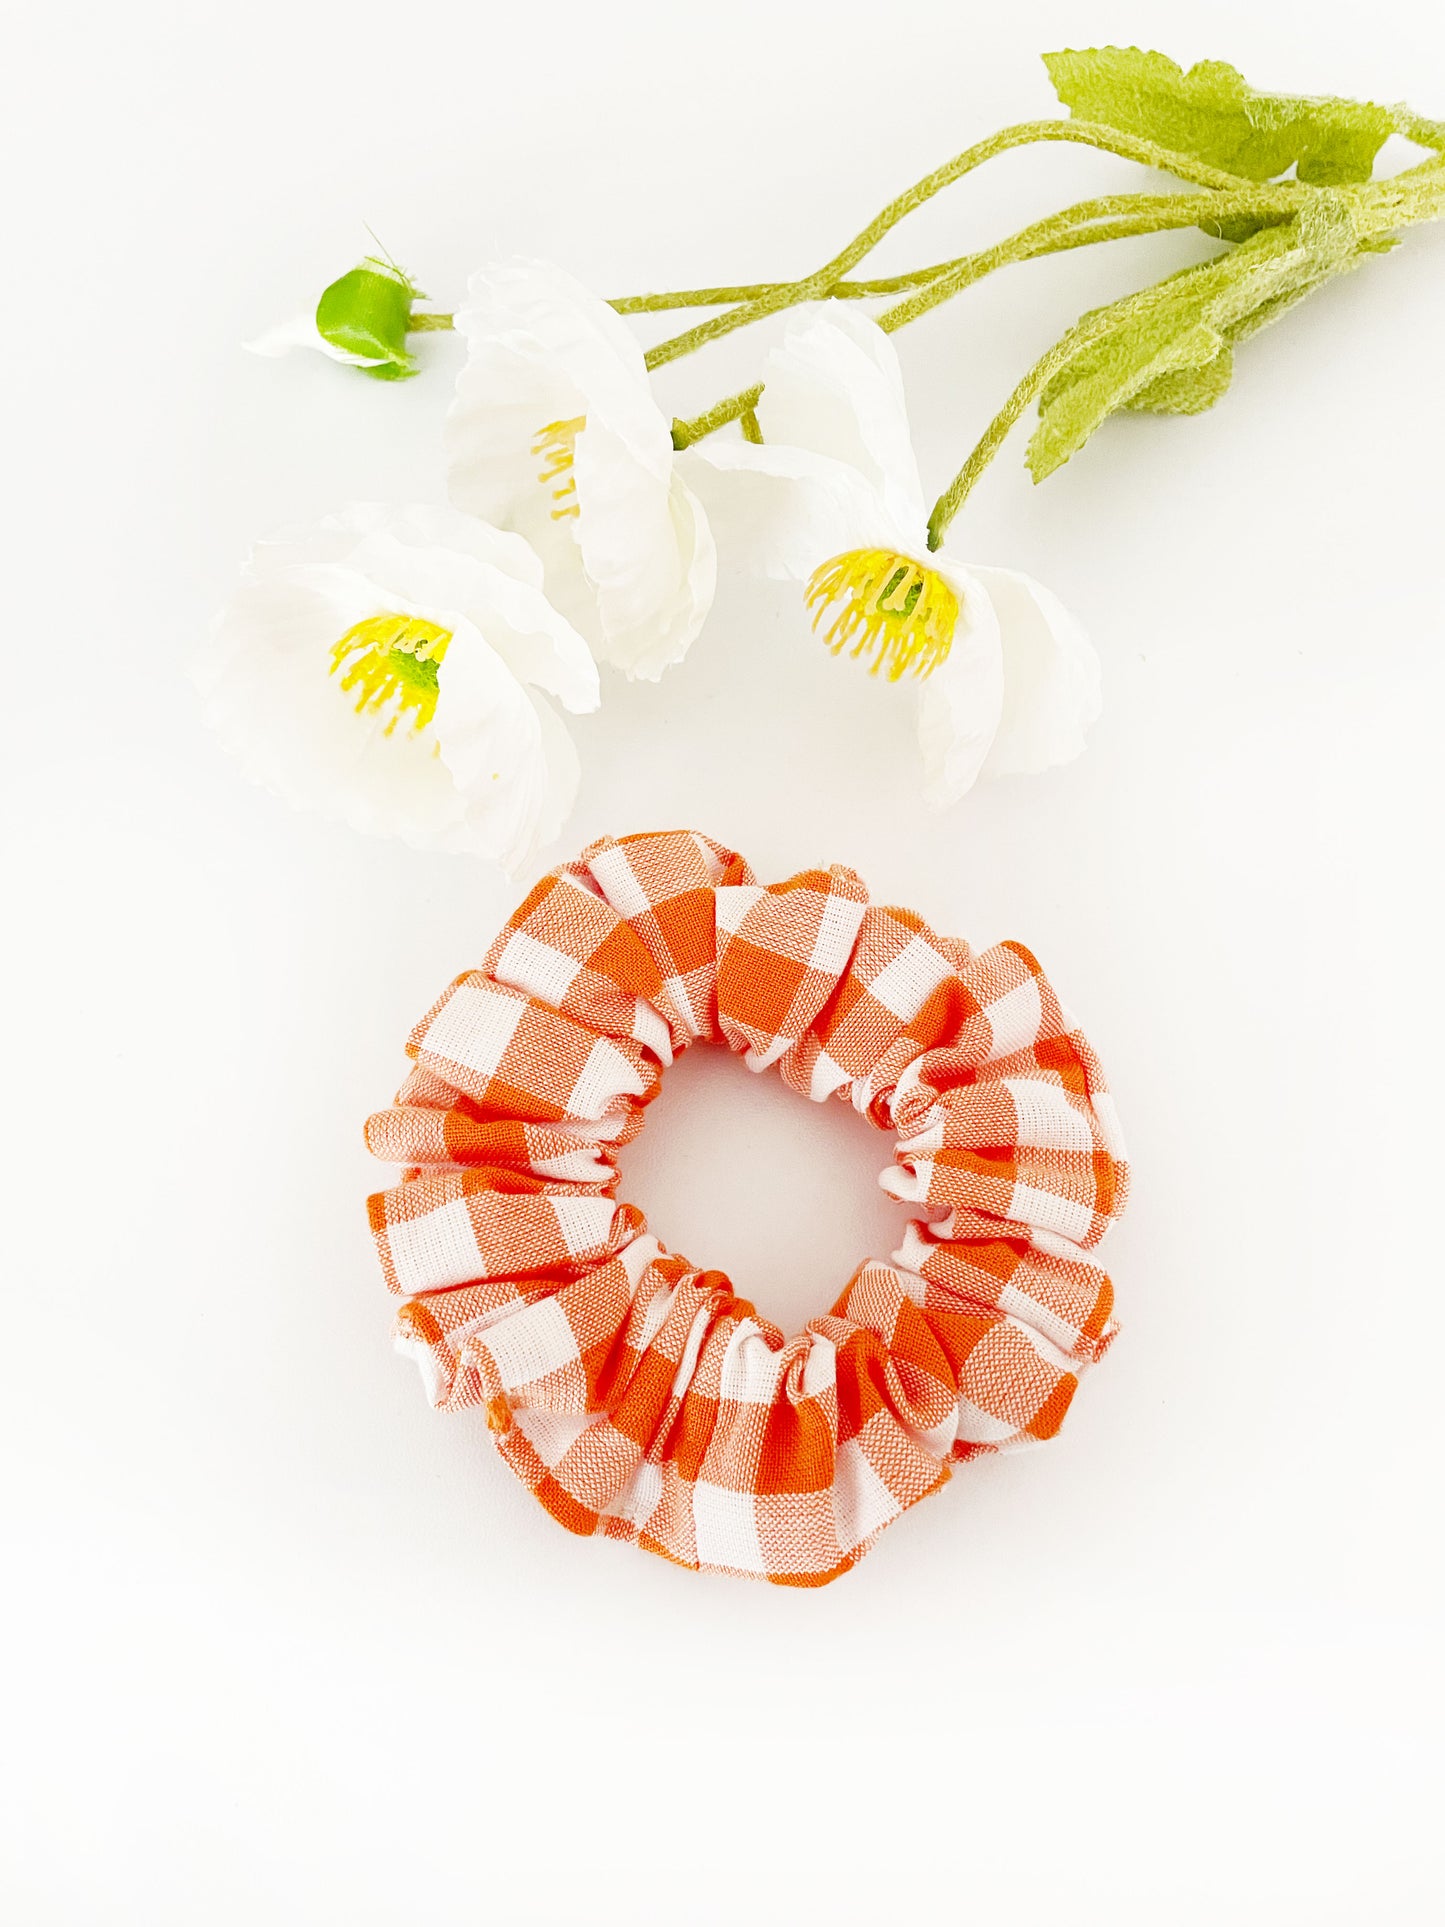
[391, 667]
[554, 432]
[832, 497]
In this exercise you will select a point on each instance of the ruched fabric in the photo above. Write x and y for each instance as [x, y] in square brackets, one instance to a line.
[636, 1395]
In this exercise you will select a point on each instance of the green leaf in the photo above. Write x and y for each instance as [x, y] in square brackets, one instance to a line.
[1187, 391]
[1213, 114]
[1170, 348]
[367, 312]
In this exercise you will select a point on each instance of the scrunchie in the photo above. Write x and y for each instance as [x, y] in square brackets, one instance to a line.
[637, 1396]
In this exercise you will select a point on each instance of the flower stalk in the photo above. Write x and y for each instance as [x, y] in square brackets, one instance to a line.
[1113, 217]
[817, 286]
[1375, 213]
[1226, 205]
[424, 322]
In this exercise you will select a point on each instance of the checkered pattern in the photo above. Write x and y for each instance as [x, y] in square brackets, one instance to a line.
[635, 1395]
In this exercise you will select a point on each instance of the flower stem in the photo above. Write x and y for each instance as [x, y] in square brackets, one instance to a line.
[994, 436]
[1109, 217]
[423, 322]
[763, 290]
[1382, 207]
[1112, 217]
[732, 408]
[1083, 133]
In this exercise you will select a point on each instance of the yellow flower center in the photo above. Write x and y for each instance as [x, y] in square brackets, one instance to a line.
[886, 606]
[391, 662]
[555, 446]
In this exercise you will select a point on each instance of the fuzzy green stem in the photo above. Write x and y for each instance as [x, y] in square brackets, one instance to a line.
[1112, 217]
[423, 322]
[1424, 133]
[994, 436]
[1081, 132]
[1108, 217]
[762, 290]
[1382, 207]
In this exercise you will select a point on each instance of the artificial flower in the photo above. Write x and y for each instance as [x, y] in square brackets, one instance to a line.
[555, 432]
[361, 320]
[391, 667]
[832, 497]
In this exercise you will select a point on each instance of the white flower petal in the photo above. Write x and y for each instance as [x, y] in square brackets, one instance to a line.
[270, 696]
[483, 774]
[343, 535]
[833, 386]
[560, 775]
[538, 314]
[504, 400]
[532, 640]
[439, 529]
[302, 332]
[331, 539]
[555, 432]
[489, 736]
[661, 635]
[698, 548]
[624, 529]
[542, 348]
[540, 647]
[433, 558]
[785, 509]
[960, 704]
[1051, 676]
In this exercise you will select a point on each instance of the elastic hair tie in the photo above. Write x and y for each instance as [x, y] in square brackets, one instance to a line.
[635, 1394]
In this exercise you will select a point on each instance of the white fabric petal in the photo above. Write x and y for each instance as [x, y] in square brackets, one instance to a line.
[435, 559]
[343, 534]
[489, 736]
[270, 697]
[542, 348]
[784, 510]
[1051, 676]
[540, 647]
[302, 332]
[624, 530]
[833, 385]
[659, 636]
[535, 313]
[489, 774]
[441, 529]
[626, 554]
[528, 635]
[960, 704]
[560, 774]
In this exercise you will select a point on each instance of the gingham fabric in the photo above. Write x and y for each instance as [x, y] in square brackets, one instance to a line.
[636, 1395]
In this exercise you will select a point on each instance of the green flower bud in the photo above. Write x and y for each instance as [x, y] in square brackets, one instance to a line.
[366, 316]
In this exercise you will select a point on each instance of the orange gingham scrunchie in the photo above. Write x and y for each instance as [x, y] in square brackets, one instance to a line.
[635, 1395]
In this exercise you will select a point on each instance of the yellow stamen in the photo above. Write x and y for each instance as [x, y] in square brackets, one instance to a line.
[391, 662]
[886, 606]
[555, 446]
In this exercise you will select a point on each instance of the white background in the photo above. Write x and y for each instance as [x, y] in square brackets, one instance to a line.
[289, 1647]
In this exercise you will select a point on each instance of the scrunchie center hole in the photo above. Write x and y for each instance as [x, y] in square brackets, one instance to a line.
[741, 1174]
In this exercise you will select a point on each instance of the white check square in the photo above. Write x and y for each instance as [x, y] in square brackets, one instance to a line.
[437, 1249]
[532, 1343]
[905, 985]
[727, 1528]
[474, 1027]
[537, 968]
